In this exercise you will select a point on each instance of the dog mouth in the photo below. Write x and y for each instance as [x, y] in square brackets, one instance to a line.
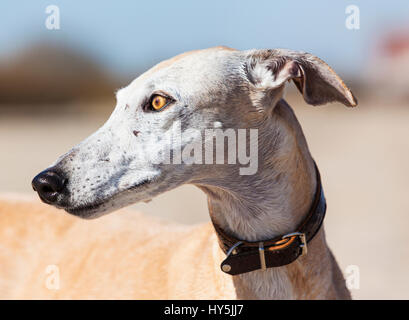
[99, 207]
[87, 210]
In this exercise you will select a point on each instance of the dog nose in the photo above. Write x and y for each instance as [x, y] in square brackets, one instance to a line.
[49, 184]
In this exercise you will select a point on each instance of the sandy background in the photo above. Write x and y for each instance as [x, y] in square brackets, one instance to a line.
[362, 153]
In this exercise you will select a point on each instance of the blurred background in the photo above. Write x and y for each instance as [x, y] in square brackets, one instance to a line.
[57, 86]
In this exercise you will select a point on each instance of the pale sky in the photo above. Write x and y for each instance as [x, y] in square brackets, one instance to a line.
[129, 36]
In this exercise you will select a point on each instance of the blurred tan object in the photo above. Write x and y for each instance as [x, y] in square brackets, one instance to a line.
[45, 254]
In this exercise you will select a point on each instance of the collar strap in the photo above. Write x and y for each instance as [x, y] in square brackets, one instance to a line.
[245, 256]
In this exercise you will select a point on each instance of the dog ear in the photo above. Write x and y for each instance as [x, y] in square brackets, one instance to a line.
[318, 83]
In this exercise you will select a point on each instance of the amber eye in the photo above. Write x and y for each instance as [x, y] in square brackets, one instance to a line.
[158, 102]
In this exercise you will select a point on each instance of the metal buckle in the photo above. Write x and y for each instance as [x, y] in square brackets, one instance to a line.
[234, 246]
[303, 244]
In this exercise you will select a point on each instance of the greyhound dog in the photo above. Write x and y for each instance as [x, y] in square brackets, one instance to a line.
[120, 164]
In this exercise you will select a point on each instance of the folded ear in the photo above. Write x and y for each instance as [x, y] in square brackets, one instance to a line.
[317, 82]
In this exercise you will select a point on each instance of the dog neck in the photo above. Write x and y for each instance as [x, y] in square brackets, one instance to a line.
[273, 202]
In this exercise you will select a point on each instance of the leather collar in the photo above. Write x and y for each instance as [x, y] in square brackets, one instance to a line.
[245, 256]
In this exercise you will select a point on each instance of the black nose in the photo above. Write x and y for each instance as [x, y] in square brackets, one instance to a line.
[49, 184]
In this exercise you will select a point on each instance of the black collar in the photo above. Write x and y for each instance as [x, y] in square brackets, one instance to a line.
[245, 256]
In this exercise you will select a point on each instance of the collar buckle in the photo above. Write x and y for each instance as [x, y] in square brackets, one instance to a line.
[303, 244]
[232, 249]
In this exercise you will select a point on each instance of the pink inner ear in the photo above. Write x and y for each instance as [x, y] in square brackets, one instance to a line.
[290, 70]
[294, 69]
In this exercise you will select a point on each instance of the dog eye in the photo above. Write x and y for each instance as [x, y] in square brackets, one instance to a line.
[158, 102]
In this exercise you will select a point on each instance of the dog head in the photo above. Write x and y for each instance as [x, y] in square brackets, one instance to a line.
[158, 135]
